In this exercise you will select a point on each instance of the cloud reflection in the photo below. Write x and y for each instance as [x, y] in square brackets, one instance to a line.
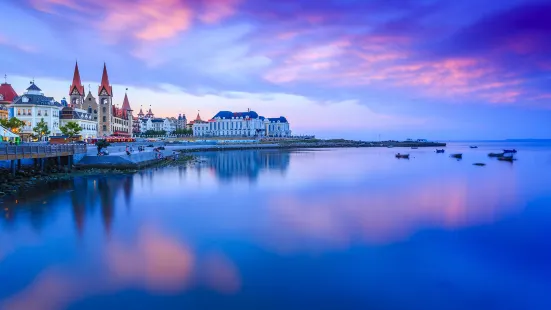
[154, 262]
[341, 218]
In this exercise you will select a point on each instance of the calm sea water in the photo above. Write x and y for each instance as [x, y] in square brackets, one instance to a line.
[310, 229]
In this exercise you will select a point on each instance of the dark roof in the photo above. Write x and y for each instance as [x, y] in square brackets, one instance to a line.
[38, 100]
[34, 87]
[70, 113]
[157, 120]
[280, 119]
[229, 114]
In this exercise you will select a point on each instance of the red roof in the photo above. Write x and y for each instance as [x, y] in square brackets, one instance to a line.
[126, 104]
[7, 92]
[105, 82]
[76, 82]
[198, 118]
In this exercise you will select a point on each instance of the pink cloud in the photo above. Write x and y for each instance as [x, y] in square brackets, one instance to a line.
[216, 10]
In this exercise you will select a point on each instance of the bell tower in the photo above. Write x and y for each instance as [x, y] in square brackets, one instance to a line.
[76, 90]
[105, 105]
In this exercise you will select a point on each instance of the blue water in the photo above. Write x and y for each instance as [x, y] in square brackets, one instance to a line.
[310, 229]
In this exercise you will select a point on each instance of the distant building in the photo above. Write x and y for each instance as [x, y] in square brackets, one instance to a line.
[82, 118]
[7, 95]
[32, 107]
[242, 124]
[181, 122]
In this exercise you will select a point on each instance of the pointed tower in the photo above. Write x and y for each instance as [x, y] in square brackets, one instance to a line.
[126, 112]
[76, 90]
[105, 106]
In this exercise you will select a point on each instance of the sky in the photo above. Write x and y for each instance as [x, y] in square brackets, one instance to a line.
[355, 69]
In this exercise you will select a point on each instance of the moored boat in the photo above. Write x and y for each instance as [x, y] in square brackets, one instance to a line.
[506, 158]
[510, 151]
[440, 151]
[458, 156]
[406, 156]
[473, 147]
[496, 154]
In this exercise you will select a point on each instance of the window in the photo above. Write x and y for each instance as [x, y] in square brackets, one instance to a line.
[18, 112]
[39, 112]
[104, 119]
[30, 112]
[45, 112]
[90, 109]
[104, 110]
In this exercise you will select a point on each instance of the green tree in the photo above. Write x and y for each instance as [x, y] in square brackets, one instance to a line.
[41, 129]
[71, 129]
[14, 124]
[100, 144]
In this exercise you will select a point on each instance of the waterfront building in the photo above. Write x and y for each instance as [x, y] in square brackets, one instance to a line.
[242, 124]
[32, 107]
[7, 94]
[112, 121]
[277, 127]
[181, 121]
[81, 117]
[3, 112]
[198, 126]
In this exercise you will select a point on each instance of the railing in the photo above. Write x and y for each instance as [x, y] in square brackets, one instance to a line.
[52, 150]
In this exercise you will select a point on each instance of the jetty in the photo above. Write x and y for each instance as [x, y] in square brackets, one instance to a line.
[64, 154]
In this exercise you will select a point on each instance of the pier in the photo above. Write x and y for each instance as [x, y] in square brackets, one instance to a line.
[62, 153]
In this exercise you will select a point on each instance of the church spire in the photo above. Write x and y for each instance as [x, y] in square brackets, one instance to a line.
[77, 84]
[126, 103]
[105, 86]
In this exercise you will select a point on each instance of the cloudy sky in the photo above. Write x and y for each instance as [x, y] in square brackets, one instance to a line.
[432, 69]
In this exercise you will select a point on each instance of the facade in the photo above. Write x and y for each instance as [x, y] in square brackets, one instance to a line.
[112, 121]
[242, 124]
[32, 107]
[82, 118]
[181, 122]
[277, 127]
[3, 112]
[198, 125]
[7, 96]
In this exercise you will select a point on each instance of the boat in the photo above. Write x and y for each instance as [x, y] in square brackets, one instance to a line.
[440, 151]
[480, 164]
[506, 158]
[496, 154]
[458, 156]
[414, 147]
[473, 147]
[406, 156]
[510, 151]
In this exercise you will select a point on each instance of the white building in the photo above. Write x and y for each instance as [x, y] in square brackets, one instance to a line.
[84, 119]
[32, 107]
[241, 124]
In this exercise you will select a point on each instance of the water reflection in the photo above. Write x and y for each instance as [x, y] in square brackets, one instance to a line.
[84, 193]
[246, 164]
[154, 262]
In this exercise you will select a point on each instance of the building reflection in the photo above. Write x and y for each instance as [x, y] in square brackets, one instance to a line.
[85, 194]
[228, 166]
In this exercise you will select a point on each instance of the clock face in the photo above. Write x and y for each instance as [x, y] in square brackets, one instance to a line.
[105, 101]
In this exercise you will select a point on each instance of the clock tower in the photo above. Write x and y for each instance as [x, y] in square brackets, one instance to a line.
[105, 105]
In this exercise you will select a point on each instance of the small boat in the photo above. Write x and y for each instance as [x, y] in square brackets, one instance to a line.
[458, 156]
[473, 147]
[414, 147]
[440, 151]
[480, 164]
[496, 154]
[510, 151]
[506, 158]
[406, 156]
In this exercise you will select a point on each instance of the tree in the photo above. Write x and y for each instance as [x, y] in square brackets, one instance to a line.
[71, 129]
[100, 144]
[41, 129]
[183, 131]
[14, 124]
